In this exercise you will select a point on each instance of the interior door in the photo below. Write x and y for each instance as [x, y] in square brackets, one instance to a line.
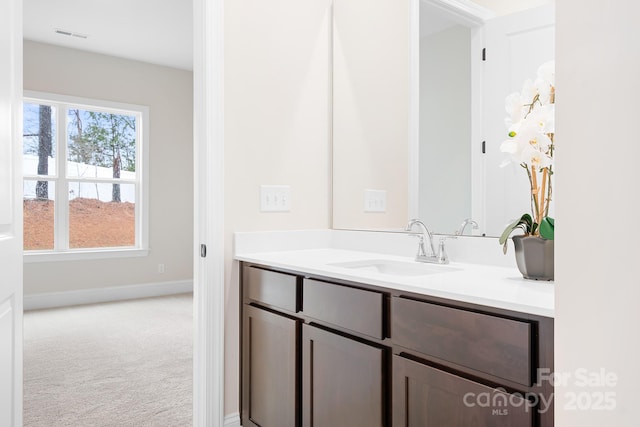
[516, 45]
[10, 213]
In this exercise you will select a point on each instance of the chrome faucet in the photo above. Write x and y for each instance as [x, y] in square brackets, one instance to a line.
[468, 221]
[426, 253]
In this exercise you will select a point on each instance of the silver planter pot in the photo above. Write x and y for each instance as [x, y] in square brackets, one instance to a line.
[534, 256]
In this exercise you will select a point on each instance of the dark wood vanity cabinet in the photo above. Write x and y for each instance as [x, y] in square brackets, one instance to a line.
[311, 353]
[319, 352]
[270, 349]
[459, 366]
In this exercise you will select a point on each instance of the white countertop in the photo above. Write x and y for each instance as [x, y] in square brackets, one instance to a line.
[501, 287]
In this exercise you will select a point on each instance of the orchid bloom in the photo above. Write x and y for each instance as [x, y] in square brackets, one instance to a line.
[530, 122]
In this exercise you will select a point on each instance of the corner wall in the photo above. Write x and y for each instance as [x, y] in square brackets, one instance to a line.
[168, 93]
[597, 204]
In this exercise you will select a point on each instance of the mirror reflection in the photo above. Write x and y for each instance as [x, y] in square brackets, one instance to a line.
[456, 115]
[445, 117]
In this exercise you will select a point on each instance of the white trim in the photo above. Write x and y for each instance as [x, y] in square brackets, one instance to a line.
[115, 293]
[209, 285]
[61, 178]
[232, 420]
[79, 255]
[89, 103]
[478, 159]
[11, 72]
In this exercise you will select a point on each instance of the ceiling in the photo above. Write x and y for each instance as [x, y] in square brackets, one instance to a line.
[155, 31]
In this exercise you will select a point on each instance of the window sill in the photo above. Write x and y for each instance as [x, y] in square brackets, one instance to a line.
[82, 255]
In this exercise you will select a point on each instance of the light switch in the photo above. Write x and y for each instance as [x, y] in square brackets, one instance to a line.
[275, 198]
[375, 201]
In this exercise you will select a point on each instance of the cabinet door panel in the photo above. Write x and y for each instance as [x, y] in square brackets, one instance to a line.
[427, 397]
[342, 381]
[270, 369]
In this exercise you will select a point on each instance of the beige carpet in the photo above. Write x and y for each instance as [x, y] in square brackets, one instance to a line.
[116, 364]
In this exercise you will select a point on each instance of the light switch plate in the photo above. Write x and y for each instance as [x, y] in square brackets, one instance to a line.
[375, 201]
[275, 198]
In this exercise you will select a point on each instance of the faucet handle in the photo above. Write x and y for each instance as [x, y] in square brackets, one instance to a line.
[442, 254]
[421, 248]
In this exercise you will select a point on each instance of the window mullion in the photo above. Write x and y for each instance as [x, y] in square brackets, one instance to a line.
[62, 187]
[140, 203]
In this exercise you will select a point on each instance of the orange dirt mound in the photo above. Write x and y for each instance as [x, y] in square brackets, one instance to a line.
[92, 224]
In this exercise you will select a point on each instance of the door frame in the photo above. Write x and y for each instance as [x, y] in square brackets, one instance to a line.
[208, 280]
[208, 353]
[11, 290]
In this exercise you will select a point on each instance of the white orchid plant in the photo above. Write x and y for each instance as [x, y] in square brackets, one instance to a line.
[531, 124]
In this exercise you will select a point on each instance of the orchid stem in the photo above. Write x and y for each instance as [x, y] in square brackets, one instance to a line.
[534, 194]
[542, 214]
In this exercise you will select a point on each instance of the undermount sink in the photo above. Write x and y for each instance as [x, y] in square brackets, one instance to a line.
[395, 268]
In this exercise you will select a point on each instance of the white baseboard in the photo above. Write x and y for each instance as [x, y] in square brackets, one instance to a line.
[116, 293]
[232, 420]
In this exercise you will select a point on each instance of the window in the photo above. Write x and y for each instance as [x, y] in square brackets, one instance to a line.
[84, 182]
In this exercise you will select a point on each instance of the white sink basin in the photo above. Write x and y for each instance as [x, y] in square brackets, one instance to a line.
[395, 268]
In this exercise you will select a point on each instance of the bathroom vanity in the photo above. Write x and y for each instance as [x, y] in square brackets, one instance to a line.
[341, 344]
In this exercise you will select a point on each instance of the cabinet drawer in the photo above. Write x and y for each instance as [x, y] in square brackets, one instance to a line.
[494, 345]
[356, 309]
[268, 287]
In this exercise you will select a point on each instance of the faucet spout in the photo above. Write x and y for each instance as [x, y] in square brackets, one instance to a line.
[468, 221]
[426, 236]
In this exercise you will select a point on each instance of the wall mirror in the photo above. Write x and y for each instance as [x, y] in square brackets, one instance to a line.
[418, 110]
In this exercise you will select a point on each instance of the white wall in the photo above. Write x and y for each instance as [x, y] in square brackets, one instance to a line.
[597, 280]
[276, 124]
[445, 129]
[168, 93]
[370, 111]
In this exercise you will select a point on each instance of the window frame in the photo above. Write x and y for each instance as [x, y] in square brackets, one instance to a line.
[61, 178]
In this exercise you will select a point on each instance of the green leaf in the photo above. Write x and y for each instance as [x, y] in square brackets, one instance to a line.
[507, 232]
[547, 226]
[525, 222]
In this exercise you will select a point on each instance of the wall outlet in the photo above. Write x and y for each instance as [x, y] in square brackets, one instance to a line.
[161, 268]
[375, 201]
[275, 198]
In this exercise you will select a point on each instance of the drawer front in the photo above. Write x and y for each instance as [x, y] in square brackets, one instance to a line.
[486, 343]
[268, 287]
[355, 309]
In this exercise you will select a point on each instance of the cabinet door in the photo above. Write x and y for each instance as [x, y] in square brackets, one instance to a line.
[343, 381]
[424, 397]
[270, 369]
